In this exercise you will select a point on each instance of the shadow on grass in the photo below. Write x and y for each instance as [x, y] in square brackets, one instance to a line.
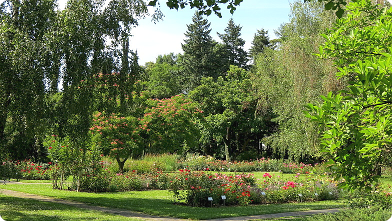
[161, 207]
[13, 208]
[20, 209]
[159, 203]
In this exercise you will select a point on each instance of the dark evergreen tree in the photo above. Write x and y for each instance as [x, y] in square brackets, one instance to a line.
[260, 42]
[198, 52]
[234, 45]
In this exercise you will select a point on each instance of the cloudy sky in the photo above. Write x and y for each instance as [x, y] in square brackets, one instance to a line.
[150, 39]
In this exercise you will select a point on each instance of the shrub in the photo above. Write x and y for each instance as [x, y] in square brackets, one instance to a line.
[194, 188]
[9, 170]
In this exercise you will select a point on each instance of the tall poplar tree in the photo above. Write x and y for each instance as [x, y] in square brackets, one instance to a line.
[198, 51]
[234, 45]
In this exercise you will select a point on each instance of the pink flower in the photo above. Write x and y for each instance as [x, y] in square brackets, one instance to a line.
[267, 175]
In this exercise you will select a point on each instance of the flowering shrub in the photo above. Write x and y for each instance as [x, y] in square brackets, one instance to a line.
[9, 170]
[24, 170]
[208, 163]
[33, 171]
[72, 158]
[274, 190]
[196, 187]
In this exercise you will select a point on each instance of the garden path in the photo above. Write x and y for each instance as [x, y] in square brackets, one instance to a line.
[146, 217]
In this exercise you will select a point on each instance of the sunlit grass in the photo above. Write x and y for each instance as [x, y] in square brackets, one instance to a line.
[13, 209]
[159, 203]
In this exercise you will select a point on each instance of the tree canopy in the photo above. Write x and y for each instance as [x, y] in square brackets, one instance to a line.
[355, 124]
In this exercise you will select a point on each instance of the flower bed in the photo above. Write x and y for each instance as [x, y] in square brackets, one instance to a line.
[203, 189]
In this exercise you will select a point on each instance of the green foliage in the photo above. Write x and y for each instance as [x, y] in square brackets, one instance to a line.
[203, 163]
[43, 52]
[242, 189]
[234, 46]
[196, 187]
[170, 125]
[291, 76]
[23, 111]
[198, 58]
[356, 123]
[204, 7]
[260, 42]
[163, 79]
[116, 136]
[71, 159]
[229, 106]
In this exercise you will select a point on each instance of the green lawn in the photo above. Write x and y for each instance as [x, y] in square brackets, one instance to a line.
[18, 209]
[159, 203]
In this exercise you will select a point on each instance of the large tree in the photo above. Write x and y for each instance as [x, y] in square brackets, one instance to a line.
[198, 51]
[24, 57]
[46, 54]
[260, 42]
[233, 128]
[356, 122]
[234, 45]
[288, 78]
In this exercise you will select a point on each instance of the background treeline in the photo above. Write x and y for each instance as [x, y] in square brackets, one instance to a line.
[71, 74]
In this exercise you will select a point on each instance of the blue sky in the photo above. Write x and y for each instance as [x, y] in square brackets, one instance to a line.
[151, 40]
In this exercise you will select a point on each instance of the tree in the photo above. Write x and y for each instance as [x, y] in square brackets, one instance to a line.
[234, 45]
[24, 54]
[355, 124]
[260, 42]
[163, 80]
[170, 125]
[232, 126]
[288, 78]
[46, 54]
[198, 51]
[171, 59]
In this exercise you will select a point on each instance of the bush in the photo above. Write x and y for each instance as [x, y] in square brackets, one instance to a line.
[33, 171]
[9, 170]
[194, 188]
[24, 170]
[275, 190]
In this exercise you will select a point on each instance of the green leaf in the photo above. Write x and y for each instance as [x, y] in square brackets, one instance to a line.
[152, 3]
[329, 5]
[339, 12]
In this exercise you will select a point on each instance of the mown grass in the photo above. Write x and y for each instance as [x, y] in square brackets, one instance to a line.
[159, 203]
[19, 209]
[344, 215]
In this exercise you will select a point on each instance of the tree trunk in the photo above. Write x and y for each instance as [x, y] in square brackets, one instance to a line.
[121, 164]
[226, 140]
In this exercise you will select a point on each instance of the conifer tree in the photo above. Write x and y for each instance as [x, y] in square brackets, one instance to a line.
[198, 52]
[234, 44]
[260, 42]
